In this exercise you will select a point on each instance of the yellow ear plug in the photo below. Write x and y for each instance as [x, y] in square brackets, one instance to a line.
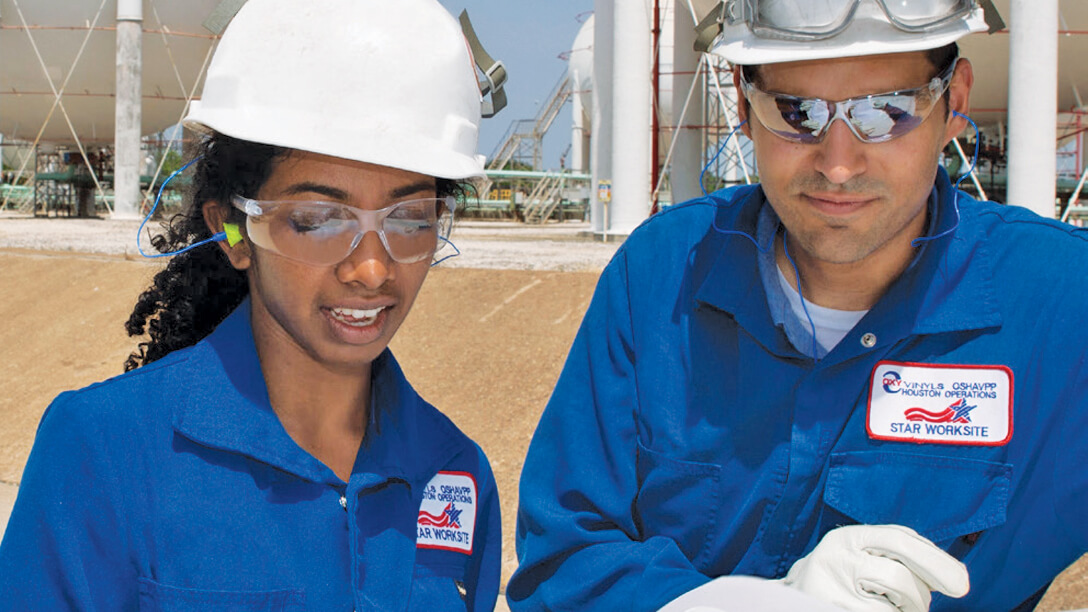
[234, 235]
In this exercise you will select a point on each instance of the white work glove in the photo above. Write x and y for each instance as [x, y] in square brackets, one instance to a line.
[878, 568]
[744, 594]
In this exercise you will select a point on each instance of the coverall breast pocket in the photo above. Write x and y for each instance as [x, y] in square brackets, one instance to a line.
[156, 597]
[677, 499]
[940, 497]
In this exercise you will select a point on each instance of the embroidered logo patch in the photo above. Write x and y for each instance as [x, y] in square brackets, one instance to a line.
[447, 516]
[940, 404]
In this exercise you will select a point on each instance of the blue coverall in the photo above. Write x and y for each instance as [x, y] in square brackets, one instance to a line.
[688, 437]
[175, 487]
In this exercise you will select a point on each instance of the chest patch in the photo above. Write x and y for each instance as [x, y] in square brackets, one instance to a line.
[447, 516]
[940, 404]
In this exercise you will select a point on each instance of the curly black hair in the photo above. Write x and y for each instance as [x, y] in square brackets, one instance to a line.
[199, 288]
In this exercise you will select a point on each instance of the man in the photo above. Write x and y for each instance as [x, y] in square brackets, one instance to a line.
[852, 342]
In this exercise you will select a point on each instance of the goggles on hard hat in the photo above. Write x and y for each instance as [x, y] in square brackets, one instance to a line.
[325, 233]
[872, 118]
[818, 19]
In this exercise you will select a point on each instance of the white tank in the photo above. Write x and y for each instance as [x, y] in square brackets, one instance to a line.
[592, 109]
[580, 72]
[172, 29]
[601, 145]
[681, 104]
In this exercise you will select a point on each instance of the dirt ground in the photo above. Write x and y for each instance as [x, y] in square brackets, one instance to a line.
[484, 345]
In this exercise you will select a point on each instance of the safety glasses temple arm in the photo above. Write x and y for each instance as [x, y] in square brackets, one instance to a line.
[246, 205]
[451, 204]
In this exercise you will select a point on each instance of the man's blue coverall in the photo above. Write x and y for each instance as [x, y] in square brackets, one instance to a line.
[692, 434]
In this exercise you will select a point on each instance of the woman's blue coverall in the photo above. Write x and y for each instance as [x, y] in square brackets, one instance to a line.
[175, 487]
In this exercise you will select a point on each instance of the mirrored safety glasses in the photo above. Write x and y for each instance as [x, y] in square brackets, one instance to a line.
[873, 118]
[817, 19]
[325, 233]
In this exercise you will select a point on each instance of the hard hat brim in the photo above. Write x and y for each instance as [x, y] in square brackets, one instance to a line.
[432, 158]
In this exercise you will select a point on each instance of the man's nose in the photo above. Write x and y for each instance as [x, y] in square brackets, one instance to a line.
[841, 154]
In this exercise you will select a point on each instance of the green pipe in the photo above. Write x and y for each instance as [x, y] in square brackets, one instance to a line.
[532, 174]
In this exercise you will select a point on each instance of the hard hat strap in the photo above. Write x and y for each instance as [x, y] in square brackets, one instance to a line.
[708, 28]
[993, 18]
[494, 70]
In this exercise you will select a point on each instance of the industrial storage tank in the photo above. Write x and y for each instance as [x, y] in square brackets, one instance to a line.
[580, 72]
[677, 106]
[69, 46]
[81, 81]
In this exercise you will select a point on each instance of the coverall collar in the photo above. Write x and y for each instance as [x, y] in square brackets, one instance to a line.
[934, 295]
[231, 411]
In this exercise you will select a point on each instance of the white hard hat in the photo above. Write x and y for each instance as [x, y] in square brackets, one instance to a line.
[869, 31]
[388, 82]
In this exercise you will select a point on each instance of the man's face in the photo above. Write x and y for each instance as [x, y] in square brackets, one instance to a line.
[843, 201]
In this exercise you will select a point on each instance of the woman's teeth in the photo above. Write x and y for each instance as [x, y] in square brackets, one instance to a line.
[354, 317]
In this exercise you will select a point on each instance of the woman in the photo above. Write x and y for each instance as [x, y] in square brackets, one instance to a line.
[265, 451]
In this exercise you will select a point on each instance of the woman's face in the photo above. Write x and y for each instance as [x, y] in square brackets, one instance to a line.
[343, 315]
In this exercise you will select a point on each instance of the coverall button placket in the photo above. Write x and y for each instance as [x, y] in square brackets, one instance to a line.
[807, 451]
[381, 583]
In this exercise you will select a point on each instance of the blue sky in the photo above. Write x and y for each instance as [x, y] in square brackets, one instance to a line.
[528, 37]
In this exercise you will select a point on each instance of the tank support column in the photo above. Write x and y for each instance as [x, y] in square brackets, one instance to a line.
[126, 177]
[1033, 104]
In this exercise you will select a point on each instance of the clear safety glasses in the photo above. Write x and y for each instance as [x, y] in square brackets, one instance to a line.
[325, 233]
[817, 19]
[872, 118]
